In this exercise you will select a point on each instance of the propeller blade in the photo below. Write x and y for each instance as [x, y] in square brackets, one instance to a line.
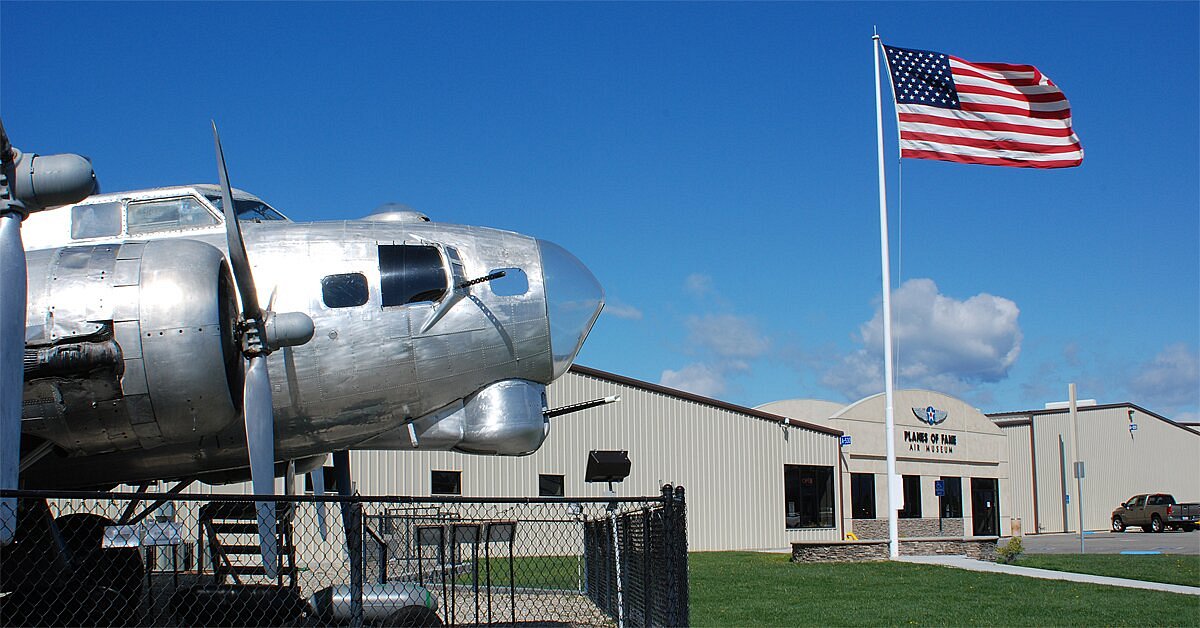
[317, 478]
[233, 234]
[260, 441]
[12, 349]
[341, 473]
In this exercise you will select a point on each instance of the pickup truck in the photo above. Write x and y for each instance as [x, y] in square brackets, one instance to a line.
[1156, 512]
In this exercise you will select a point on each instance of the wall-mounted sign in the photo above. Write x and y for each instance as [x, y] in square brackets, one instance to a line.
[930, 442]
[930, 415]
[846, 441]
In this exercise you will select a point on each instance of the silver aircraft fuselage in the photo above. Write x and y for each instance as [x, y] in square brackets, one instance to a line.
[418, 344]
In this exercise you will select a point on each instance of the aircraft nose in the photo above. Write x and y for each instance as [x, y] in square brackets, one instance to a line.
[574, 299]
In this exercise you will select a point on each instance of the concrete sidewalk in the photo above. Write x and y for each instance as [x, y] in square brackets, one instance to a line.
[962, 562]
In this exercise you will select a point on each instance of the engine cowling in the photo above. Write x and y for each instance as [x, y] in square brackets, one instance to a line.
[170, 308]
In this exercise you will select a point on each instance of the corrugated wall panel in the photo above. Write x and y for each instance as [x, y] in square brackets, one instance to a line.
[1020, 469]
[1158, 457]
[731, 464]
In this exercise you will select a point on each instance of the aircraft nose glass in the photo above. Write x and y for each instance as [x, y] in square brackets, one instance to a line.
[573, 301]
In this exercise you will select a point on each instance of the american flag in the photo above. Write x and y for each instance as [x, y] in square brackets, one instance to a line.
[999, 114]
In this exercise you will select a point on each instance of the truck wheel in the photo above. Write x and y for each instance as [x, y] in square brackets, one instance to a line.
[1118, 524]
[1156, 524]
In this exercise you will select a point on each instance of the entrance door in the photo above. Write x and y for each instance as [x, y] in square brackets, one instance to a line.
[985, 506]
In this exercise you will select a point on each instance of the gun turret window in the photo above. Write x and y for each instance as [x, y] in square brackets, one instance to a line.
[411, 274]
[347, 290]
[168, 215]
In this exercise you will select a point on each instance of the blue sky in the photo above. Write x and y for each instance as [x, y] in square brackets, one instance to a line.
[714, 164]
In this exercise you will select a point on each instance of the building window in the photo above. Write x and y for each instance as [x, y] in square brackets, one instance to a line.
[951, 503]
[551, 485]
[808, 496]
[912, 497]
[445, 482]
[346, 290]
[862, 495]
[411, 274]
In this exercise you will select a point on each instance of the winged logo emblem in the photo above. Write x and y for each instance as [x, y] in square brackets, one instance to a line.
[930, 415]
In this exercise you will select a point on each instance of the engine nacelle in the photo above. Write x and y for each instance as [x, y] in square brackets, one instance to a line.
[506, 418]
[170, 307]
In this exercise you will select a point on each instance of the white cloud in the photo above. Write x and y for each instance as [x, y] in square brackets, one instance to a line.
[727, 335]
[618, 309]
[1171, 380]
[699, 379]
[698, 284]
[942, 343]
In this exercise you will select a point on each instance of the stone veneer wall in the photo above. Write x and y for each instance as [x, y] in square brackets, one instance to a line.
[867, 529]
[980, 547]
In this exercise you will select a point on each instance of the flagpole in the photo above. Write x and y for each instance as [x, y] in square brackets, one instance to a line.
[893, 483]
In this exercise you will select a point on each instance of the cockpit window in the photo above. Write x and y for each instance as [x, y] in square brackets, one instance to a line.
[96, 220]
[345, 290]
[411, 274]
[186, 212]
[248, 209]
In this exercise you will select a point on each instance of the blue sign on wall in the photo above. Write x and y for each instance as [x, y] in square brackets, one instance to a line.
[939, 488]
[845, 441]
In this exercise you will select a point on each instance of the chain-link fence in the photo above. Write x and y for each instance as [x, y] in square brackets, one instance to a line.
[147, 559]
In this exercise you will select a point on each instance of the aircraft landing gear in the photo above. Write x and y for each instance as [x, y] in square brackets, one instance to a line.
[58, 574]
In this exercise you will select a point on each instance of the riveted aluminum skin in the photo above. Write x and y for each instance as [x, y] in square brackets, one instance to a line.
[504, 419]
[368, 369]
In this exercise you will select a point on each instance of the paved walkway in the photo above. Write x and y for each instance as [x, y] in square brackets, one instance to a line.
[962, 562]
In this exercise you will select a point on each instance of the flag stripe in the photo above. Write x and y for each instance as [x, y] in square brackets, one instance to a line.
[992, 142]
[980, 113]
[970, 123]
[981, 107]
[989, 134]
[1013, 94]
[958, 114]
[959, 149]
[989, 161]
[967, 79]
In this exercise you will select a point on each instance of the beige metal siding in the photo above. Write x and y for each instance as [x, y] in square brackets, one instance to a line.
[1158, 457]
[731, 464]
[1020, 469]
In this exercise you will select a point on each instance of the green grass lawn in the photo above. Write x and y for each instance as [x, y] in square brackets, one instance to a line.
[750, 589]
[533, 572]
[1169, 568]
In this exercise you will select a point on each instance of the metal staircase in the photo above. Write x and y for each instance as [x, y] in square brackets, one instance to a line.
[230, 529]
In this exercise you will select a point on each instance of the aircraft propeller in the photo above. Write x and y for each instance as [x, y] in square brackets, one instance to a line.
[57, 180]
[261, 332]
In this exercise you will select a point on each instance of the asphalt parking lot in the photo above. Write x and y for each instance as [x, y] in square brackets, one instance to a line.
[1173, 542]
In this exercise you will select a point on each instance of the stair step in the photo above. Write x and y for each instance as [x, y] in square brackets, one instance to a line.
[254, 570]
[244, 550]
[231, 527]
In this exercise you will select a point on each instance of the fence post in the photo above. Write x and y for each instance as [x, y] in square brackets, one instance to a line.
[681, 617]
[354, 547]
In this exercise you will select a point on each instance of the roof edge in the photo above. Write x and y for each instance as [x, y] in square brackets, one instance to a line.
[1013, 417]
[708, 401]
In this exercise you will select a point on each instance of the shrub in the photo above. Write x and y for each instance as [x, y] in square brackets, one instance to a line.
[1008, 552]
